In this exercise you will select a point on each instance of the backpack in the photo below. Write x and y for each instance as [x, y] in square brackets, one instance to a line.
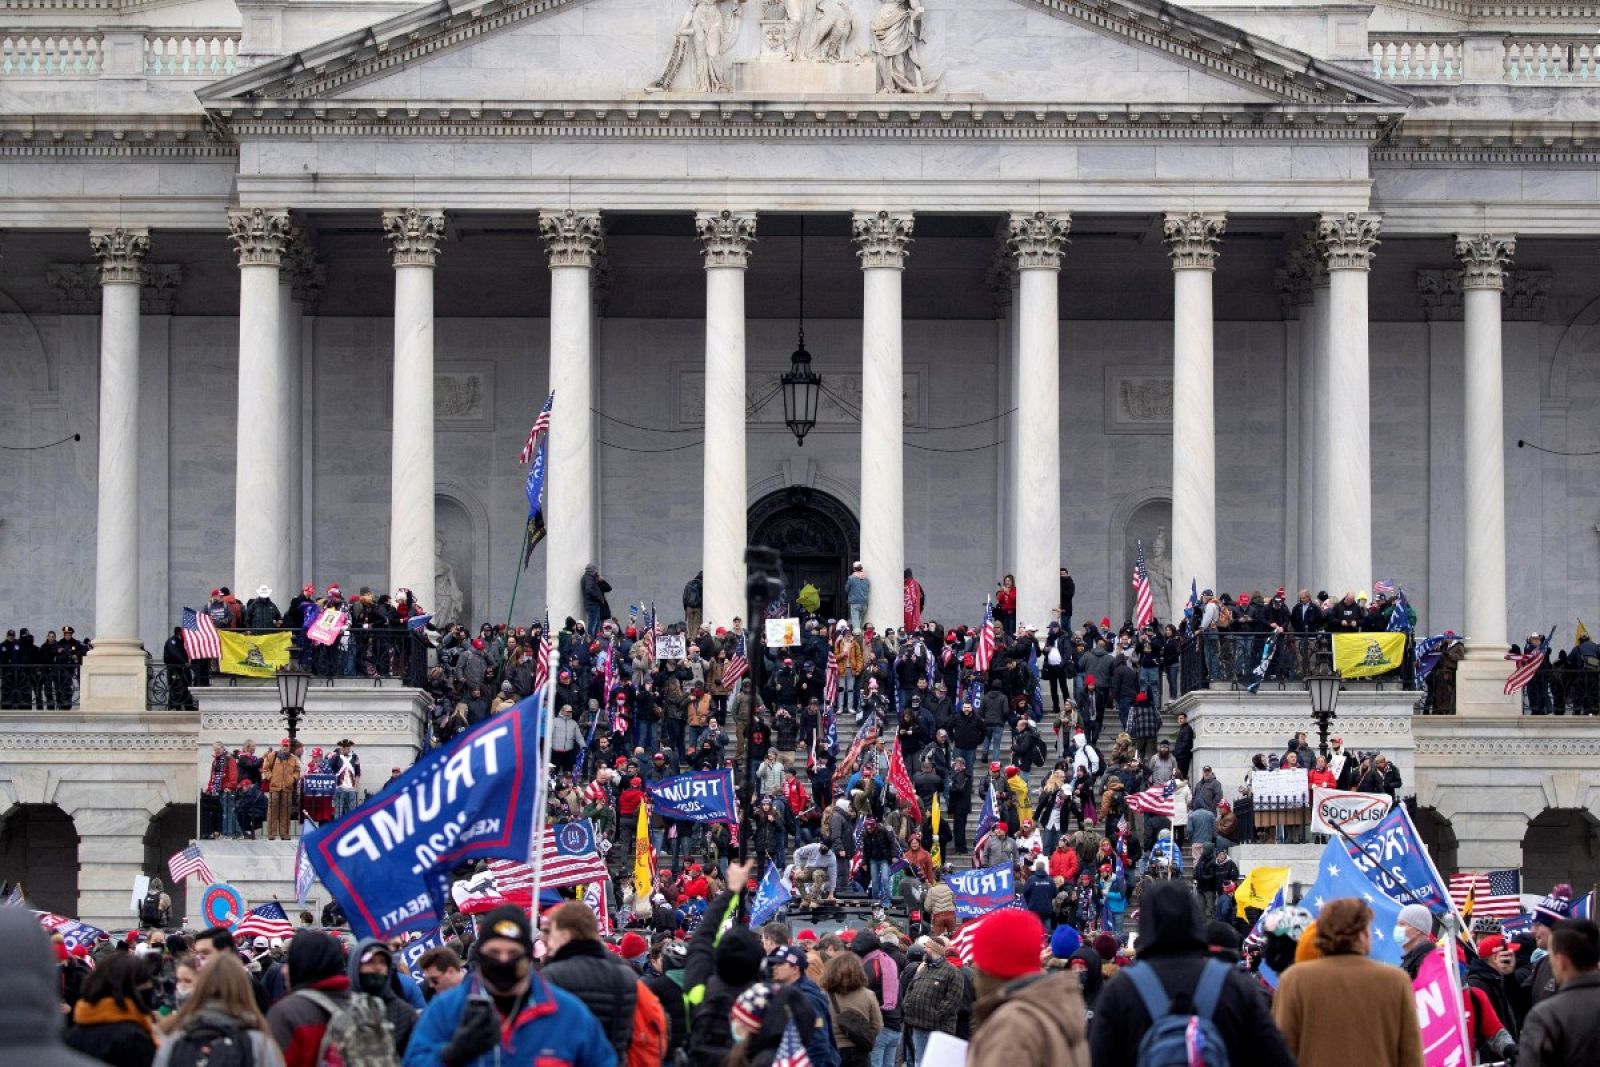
[150, 909]
[1224, 617]
[213, 1042]
[358, 1034]
[1181, 1040]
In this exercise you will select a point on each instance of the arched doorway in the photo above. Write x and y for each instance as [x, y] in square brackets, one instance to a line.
[816, 535]
[1561, 845]
[168, 833]
[1440, 837]
[39, 848]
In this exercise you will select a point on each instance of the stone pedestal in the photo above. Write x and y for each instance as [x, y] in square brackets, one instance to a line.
[1481, 685]
[777, 75]
[262, 871]
[112, 678]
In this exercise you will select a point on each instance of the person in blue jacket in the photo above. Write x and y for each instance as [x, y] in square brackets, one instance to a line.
[507, 1014]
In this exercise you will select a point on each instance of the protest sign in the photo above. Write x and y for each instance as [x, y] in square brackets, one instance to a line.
[1439, 1014]
[1285, 788]
[221, 904]
[387, 863]
[413, 951]
[782, 633]
[672, 646]
[318, 785]
[705, 796]
[328, 626]
[1343, 812]
[982, 891]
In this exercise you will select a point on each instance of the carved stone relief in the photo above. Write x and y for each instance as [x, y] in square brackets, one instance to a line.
[1138, 400]
[463, 396]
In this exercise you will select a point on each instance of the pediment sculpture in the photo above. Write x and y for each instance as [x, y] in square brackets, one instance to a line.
[806, 46]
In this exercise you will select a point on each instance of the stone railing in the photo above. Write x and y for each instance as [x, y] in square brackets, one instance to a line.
[205, 53]
[50, 53]
[1478, 59]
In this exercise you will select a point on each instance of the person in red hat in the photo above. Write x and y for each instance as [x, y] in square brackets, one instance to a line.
[1021, 1013]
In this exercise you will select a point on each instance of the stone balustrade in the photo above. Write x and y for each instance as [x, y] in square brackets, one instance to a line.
[90, 53]
[1453, 58]
[50, 53]
[191, 53]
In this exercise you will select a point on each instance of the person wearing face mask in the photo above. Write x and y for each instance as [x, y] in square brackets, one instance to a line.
[214, 1005]
[1413, 931]
[372, 971]
[507, 1012]
[111, 1021]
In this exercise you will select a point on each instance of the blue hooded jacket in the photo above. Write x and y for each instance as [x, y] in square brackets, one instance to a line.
[553, 1027]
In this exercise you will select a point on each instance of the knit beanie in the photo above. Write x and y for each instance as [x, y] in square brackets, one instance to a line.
[1307, 948]
[1555, 907]
[739, 957]
[751, 1007]
[1006, 944]
[1417, 917]
[1106, 945]
[1064, 942]
[633, 947]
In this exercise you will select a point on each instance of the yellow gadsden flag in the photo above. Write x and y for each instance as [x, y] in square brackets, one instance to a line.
[644, 857]
[1259, 887]
[1364, 655]
[933, 816]
[254, 655]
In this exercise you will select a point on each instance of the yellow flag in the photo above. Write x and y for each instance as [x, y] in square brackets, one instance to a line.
[1364, 655]
[1582, 633]
[644, 859]
[254, 655]
[1259, 887]
[938, 852]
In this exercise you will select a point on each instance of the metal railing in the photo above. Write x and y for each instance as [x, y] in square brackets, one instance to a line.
[38, 687]
[1229, 659]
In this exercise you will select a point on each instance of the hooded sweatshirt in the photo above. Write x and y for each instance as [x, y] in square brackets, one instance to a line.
[316, 962]
[30, 1025]
[402, 1016]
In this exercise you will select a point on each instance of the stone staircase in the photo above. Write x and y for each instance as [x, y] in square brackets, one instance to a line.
[260, 870]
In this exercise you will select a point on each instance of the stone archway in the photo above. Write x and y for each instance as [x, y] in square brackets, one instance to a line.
[1561, 845]
[817, 536]
[1440, 836]
[169, 831]
[39, 848]
[1141, 518]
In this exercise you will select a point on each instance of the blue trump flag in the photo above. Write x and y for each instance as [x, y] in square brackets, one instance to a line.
[1392, 857]
[704, 796]
[535, 490]
[980, 892]
[387, 863]
[771, 895]
[1339, 876]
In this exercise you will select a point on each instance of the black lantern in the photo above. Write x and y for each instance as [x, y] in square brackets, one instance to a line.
[802, 387]
[292, 686]
[1324, 690]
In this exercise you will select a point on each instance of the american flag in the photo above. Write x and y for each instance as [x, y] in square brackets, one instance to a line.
[190, 861]
[961, 945]
[1144, 610]
[738, 666]
[649, 635]
[541, 662]
[200, 635]
[1527, 665]
[830, 682]
[1156, 801]
[541, 425]
[1494, 894]
[269, 920]
[560, 868]
[791, 1050]
[14, 899]
[1383, 587]
[985, 653]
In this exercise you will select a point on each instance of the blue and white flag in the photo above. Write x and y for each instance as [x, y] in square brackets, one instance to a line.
[303, 874]
[1582, 908]
[1520, 924]
[704, 796]
[413, 951]
[1393, 858]
[980, 892]
[1400, 614]
[418, 622]
[535, 489]
[771, 895]
[989, 815]
[388, 862]
[1338, 876]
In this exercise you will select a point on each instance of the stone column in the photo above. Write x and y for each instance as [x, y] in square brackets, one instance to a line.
[882, 239]
[1304, 270]
[1321, 436]
[1037, 239]
[113, 674]
[1344, 501]
[725, 240]
[1484, 261]
[261, 530]
[304, 276]
[574, 241]
[1192, 243]
[414, 235]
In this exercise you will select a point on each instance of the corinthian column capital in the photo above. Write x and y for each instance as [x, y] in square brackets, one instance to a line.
[725, 237]
[1347, 240]
[1485, 259]
[572, 238]
[414, 236]
[882, 238]
[121, 253]
[1037, 239]
[1191, 238]
[261, 236]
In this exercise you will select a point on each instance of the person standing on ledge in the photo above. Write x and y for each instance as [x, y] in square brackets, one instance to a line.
[857, 592]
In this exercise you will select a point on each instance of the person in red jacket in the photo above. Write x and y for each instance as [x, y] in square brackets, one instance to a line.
[794, 793]
[317, 973]
[1064, 862]
[1321, 775]
[695, 884]
[216, 798]
[628, 803]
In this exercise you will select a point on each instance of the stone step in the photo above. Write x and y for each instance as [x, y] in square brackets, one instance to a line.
[261, 870]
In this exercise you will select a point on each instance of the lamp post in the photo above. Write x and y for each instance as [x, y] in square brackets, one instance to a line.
[802, 386]
[1324, 690]
[293, 684]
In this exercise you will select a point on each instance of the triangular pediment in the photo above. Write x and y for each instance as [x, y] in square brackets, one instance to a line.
[639, 53]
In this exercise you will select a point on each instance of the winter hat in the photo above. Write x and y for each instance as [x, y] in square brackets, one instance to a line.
[1106, 945]
[739, 957]
[1555, 907]
[1417, 917]
[1006, 944]
[508, 923]
[633, 947]
[1064, 942]
[1307, 948]
[751, 1007]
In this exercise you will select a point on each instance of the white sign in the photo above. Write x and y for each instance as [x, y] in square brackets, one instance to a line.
[672, 646]
[1335, 810]
[141, 889]
[1285, 788]
[783, 633]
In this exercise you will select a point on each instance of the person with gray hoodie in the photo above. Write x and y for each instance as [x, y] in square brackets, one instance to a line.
[31, 1025]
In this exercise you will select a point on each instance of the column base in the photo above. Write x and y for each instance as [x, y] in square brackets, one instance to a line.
[112, 678]
[1481, 682]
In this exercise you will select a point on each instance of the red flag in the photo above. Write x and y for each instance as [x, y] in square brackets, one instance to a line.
[901, 781]
[913, 605]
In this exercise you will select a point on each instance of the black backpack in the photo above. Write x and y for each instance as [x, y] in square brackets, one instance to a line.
[213, 1042]
[150, 909]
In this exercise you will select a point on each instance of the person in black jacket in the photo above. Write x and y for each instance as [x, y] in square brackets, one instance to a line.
[579, 963]
[112, 1020]
[724, 960]
[667, 954]
[1173, 944]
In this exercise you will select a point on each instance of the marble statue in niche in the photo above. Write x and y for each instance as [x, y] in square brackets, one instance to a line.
[1158, 565]
[446, 590]
[708, 30]
[897, 48]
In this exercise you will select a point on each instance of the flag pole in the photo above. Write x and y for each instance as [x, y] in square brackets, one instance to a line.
[542, 779]
[516, 582]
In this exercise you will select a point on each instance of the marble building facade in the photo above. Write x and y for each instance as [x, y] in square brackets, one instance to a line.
[1281, 286]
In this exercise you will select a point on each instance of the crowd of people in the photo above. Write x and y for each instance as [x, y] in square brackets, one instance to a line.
[503, 990]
